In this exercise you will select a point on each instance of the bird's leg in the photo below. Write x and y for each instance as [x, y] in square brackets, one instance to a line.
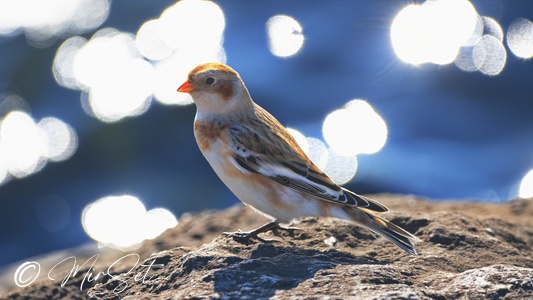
[244, 237]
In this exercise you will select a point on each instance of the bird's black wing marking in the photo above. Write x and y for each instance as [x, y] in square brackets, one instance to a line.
[293, 174]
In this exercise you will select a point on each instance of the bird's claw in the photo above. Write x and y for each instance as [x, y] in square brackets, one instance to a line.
[244, 237]
[239, 236]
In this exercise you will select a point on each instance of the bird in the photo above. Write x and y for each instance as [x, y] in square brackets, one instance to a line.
[262, 164]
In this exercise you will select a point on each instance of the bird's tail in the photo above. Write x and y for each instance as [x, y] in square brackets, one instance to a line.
[386, 229]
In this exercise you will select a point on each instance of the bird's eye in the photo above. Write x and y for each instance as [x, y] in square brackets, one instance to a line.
[210, 80]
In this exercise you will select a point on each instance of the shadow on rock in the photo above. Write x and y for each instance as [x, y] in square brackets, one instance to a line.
[271, 268]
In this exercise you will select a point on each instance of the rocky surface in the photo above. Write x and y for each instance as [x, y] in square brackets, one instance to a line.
[469, 251]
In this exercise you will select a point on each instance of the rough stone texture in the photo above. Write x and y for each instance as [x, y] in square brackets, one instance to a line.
[469, 251]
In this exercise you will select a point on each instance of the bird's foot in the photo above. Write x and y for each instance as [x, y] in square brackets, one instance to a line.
[244, 237]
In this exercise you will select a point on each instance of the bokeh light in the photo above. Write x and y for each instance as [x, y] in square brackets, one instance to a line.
[477, 32]
[44, 21]
[446, 31]
[22, 144]
[465, 59]
[62, 67]
[150, 41]
[10, 102]
[26, 146]
[526, 186]
[354, 129]
[185, 35]
[119, 73]
[123, 222]
[193, 24]
[493, 28]
[157, 221]
[434, 31]
[119, 82]
[340, 168]
[318, 153]
[489, 55]
[285, 35]
[62, 140]
[520, 38]
[4, 174]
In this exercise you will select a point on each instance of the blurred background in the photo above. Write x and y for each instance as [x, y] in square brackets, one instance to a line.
[433, 99]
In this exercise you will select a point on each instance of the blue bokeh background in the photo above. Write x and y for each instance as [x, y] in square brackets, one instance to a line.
[452, 134]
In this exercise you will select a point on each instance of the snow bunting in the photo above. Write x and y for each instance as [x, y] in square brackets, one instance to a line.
[262, 164]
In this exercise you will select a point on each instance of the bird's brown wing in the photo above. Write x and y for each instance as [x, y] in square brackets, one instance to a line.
[265, 147]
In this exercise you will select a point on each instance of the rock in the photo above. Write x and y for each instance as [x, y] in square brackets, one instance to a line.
[469, 251]
[492, 282]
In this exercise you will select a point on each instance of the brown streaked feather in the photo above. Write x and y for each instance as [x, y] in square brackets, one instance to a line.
[211, 67]
[281, 136]
[388, 230]
[225, 90]
[262, 142]
[206, 133]
[372, 205]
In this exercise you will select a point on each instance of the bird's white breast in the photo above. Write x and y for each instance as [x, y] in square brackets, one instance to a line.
[268, 197]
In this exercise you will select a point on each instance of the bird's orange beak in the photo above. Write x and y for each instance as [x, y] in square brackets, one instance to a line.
[186, 87]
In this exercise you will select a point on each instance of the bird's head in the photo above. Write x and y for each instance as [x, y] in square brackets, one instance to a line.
[217, 90]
